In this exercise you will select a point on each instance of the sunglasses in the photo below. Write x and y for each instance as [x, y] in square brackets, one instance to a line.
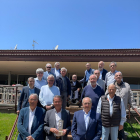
[49, 67]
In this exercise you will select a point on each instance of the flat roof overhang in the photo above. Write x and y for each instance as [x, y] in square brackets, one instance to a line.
[118, 55]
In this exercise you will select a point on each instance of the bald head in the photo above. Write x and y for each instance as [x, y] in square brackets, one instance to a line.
[88, 66]
[74, 77]
[118, 77]
[101, 65]
[93, 80]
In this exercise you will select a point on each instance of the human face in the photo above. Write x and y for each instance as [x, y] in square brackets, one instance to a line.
[112, 67]
[50, 81]
[48, 68]
[118, 77]
[33, 101]
[39, 75]
[87, 105]
[88, 66]
[57, 66]
[57, 103]
[74, 78]
[31, 82]
[93, 80]
[111, 90]
[100, 65]
[97, 73]
[63, 73]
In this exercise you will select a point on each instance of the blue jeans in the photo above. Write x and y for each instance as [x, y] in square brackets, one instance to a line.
[112, 130]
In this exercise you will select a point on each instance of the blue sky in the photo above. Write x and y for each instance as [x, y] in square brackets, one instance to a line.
[71, 24]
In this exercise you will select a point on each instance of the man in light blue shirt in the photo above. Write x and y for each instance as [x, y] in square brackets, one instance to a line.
[113, 114]
[39, 81]
[88, 72]
[109, 78]
[47, 93]
[48, 72]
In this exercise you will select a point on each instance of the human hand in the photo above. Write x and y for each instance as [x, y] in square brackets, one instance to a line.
[18, 112]
[64, 132]
[54, 130]
[120, 127]
[48, 107]
[30, 138]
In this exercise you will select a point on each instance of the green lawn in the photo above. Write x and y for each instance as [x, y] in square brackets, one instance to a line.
[7, 121]
[130, 131]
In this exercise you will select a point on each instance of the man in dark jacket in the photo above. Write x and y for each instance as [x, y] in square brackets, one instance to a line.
[102, 70]
[75, 88]
[64, 85]
[26, 92]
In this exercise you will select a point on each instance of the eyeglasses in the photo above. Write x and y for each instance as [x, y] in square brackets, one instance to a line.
[48, 67]
[112, 66]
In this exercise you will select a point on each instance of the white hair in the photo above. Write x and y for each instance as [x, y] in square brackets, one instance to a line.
[31, 78]
[119, 72]
[113, 62]
[63, 68]
[87, 64]
[48, 64]
[56, 63]
[34, 94]
[39, 70]
[50, 76]
[85, 98]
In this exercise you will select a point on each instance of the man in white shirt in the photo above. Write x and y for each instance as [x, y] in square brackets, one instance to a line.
[31, 121]
[52, 118]
[47, 93]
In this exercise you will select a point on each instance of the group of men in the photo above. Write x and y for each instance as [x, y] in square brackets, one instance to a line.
[104, 99]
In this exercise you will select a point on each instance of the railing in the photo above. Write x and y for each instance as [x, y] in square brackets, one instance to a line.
[136, 94]
[130, 114]
[9, 95]
[12, 131]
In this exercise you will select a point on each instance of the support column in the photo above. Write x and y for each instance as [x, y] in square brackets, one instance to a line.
[9, 78]
[17, 78]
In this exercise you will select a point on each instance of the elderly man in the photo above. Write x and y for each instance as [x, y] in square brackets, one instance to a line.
[86, 123]
[100, 82]
[123, 90]
[52, 121]
[48, 72]
[109, 78]
[47, 93]
[26, 92]
[88, 72]
[56, 69]
[75, 88]
[102, 70]
[31, 121]
[113, 114]
[39, 81]
[64, 85]
[93, 91]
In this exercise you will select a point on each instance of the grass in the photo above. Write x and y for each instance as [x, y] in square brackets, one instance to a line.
[130, 131]
[6, 124]
[7, 120]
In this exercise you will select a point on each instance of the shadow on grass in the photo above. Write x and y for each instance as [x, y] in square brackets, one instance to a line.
[131, 133]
